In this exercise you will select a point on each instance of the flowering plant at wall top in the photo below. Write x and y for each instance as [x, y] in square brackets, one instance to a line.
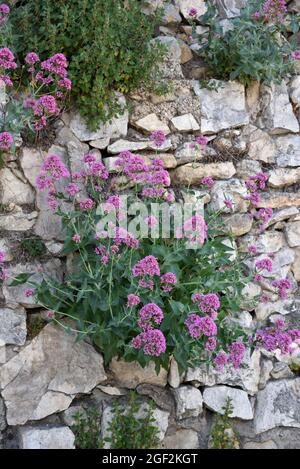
[266, 26]
[44, 98]
[147, 283]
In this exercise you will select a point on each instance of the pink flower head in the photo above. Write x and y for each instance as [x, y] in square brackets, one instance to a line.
[6, 80]
[221, 360]
[133, 300]
[65, 83]
[195, 230]
[211, 344]
[122, 236]
[72, 189]
[6, 140]
[7, 59]
[2, 257]
[158, 138]
[4, 9]
[147, 266]
[152, 342]
[50, 314]
[202, 141]
[282, 285]
[252, 249]
[29, 292]
[209, 303]
[45, 105]
[264, 264]
[31, 59]
[151, 221]
[193, 12]
[208, 182]
[236, 353]
[76, 238]
[197, 326]
[87, 204]
[228, 203]
[148, 314]
[296, 54]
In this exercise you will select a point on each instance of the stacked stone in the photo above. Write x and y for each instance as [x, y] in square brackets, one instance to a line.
[43, 381]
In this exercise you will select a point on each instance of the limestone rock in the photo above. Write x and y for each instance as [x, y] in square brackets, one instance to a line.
[283, 307]
[188, 402]
[171, 14]
[222, 109]
[131, 374]
[187, 153]
[124, 145]
[46, 438]
[269, 444]
[2, 415]
[192, 173]
[292, 232]
[246, 168]
[68, 416]
[233, 190]
[13, 190]
[5, 247]
[284, 177]
[186, 52]
[115, 129]
[55, 368]
[281, 371]
[186, 5]
[13, 326]
[294, 91]
[296, 265]
[100, 143]
[181, 439]
[215, 399]
[17, 220]
[284, 214]
[230, 8]
[170, 69]
[16, 295]
[31, 160]
[261, 147]
[185, 123]
[279, 199]
[288, 151]
[247, 377]
[277, 113]
[150, 123]
[269, 241]
[174, 378]
[278, 405]
[238, 224]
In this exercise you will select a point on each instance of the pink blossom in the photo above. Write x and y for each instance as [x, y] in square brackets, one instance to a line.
[221, 360]
[296, 54]
[72, 189]
[151, 221]
[76, 238]
[200, 325]
[228, 203]
[203, 141]
[211, 344]
[133, 300]
[7, 59]
[152, 342]
[2, 257]
[252, 249]
[236, 353]
[193, 12]
[87, 204]
[158, 137]
[29, 292]
[264, 264]
[147, 266]
[208, 181]
[148, 314]
[6, 140]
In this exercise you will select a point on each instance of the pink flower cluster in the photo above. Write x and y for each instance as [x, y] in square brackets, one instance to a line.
[7, 62]
[208, 182]
[133, 300]
[282, 285]
[235, 356]
[158, 138]
[209, 303]
[146, 267]
[151, 340]
[4, 12]
[6, 141]
[53, 170]
[276, 337]
[198, 326]
[194, 230]
[93, 169]
[264, 264]
[168, 281]
[3, 271]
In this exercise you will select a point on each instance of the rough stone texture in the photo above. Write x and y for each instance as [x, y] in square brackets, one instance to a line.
[296, 265]
[283, 307]
[288, 151]
[279, 199]
[230, 8]
[13, 189]
[269, 241]
[261, 146]
[277, 113]
[16, 295]
[187, 153]
[215, 398]
[130, 375]
[278, 405]
[186, 5]
[284, 177]
[292, 233]
[269, 444]
[238, 224]
[247, 377]
[193, 173]
[150, 123]
[181, 439]
[55, 368]
[185, 123]
[123, 145]
[2, 415]
[115, 129]
[13, 326]
[222, 109]
[188, 402]
[17, 220]
[233, 190]
[46, 438]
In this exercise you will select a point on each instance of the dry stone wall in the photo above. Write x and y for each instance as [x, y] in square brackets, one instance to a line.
[45, 380]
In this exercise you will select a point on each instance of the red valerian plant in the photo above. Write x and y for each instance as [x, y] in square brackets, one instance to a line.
[47, 89]
[141, 295]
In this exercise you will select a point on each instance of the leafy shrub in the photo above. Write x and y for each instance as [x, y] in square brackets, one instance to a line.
[256, 47]
[132, 429]
[34, 247]
[86, 429]
[146, 295]
[222, 435]
[106, 42]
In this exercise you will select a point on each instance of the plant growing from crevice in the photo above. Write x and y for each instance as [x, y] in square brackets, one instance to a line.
[256, 46]
[222, 435]
[34, 325]
[133, 426]
[33, 247]
[86, 429]
[107, 44]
